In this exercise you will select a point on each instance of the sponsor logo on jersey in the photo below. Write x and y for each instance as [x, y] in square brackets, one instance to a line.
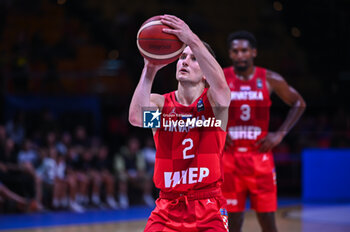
[151, 118]
[244, 132]
[231, 201]
[200, 105]
[245, 88]
[209, 201]
[247, 95]
[189, 176]
[265, 158]
[173, 112]
[259, 83]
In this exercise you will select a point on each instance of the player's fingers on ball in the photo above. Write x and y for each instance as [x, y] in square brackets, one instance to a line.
[172, 17]
[167, 30]
[169, 23]
[168, 19]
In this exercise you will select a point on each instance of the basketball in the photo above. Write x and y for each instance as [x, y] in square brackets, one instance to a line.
[156, 45]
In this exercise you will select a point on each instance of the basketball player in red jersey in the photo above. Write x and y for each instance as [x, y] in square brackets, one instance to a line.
[248, 161]
[188, 158]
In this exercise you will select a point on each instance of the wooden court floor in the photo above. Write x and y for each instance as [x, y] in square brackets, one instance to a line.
[284, 222]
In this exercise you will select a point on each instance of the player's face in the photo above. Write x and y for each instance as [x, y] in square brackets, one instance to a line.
[187, 68]
[242, 54]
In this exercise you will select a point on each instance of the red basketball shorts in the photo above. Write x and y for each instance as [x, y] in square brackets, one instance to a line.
[188, 213]
[253, 174]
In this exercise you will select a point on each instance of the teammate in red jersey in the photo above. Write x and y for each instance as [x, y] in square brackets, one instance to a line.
[188, 157]
[248, 161]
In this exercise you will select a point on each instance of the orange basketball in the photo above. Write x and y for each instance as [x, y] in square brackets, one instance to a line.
[156, 45]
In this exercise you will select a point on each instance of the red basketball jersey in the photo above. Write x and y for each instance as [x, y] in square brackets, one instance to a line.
[249, 112]
[188, 157]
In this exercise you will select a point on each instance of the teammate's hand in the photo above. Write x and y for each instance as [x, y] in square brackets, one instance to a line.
[180, 28]
[271, 140]
[228, 142]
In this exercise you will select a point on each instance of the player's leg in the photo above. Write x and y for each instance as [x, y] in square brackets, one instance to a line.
[83, 189]
[55, 194]
[264, 192]
[234, 190]
[267, 221]
[63, 193]
[235, 221]
[123, 190]
[72, 186]
[147, 186]
[96, 186]
[108, 179]
[235, 207]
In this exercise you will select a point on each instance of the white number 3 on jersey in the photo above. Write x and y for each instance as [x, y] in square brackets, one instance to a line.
[245, 112]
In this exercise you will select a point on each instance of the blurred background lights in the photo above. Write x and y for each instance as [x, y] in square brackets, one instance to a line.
[277, 6]
[61, 2]
[295, 32]
[113, 55]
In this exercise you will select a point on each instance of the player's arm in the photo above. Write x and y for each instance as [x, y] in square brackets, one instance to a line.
[142, 96]
[291, 97]
[219, 90]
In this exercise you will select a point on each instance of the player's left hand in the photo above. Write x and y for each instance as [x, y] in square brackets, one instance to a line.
[180, 28]
[271, 140]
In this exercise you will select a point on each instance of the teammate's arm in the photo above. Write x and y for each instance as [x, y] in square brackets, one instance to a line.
[219, 91]
[291, 97]
[142, 96]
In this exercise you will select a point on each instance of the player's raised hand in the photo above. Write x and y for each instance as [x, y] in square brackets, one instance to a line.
[271, 140]
[180, 28]
[154, 66]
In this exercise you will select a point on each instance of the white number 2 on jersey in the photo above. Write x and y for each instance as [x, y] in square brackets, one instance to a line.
[245, 115]
[189, 147]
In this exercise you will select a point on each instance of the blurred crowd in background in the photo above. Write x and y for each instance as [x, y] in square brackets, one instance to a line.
[51, 168]
[71, 160]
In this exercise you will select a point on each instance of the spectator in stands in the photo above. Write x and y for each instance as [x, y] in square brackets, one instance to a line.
[78, 182]
[63, 145]
[15, 128]
[130, 167]
[80, 137]
[12, 174]
[28, 159]
[87, 162]
[103, 167]
[149, 154]
[51, 139]
[48, 172]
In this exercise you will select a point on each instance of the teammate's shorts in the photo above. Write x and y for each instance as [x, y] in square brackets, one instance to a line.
[253, 174]
[197, 211]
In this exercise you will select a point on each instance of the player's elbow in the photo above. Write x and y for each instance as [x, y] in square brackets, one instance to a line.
[223, 94]
[133, 119]
[226, 93]
[302, 103]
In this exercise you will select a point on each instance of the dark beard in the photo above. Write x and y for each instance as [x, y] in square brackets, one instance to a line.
[241, 68]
